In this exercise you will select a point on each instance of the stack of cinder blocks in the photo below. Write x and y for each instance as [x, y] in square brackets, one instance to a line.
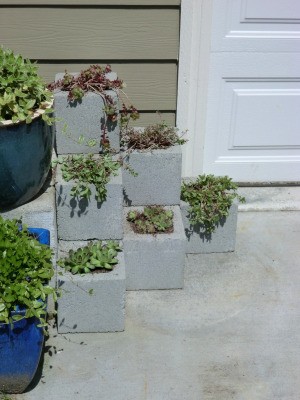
[154, 261]
[150, 261]
[79, 222]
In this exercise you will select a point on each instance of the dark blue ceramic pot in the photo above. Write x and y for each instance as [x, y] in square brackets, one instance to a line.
[21, 344]
[25, 158]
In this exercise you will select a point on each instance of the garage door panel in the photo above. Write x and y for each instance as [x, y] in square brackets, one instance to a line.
[257, 128]
[256, 25]
[264, 115]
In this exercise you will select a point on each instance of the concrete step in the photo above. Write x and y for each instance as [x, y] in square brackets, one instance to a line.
[271, 198]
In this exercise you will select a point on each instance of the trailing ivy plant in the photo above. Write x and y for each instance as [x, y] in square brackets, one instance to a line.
[22, 90]
[25, 269]
[157, 136]
[95, 79]
[88, 170]
[210, 198]
[94, 256]
[153, 219]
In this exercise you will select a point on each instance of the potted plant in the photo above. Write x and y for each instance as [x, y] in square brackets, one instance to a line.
[209, 213]
[89, 197]
[91, 95]
[154, 154]
[25, 269]
[92, 279]
[26, 138]
[154, 247]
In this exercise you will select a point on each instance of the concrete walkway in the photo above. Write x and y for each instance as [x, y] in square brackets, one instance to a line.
[233, 332]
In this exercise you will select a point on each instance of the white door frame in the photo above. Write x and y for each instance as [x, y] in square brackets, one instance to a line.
[193, 69]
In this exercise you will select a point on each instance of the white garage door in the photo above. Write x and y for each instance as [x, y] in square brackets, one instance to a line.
[253, 109]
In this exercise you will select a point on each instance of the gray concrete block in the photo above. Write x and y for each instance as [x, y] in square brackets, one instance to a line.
[101, 311]
[86, 118]
[159, 177]
[83, 219]
[154, 261]
[222, 240]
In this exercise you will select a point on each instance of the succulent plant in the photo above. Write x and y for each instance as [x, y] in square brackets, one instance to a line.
[154, 219]
[157, 136]
[102, 256]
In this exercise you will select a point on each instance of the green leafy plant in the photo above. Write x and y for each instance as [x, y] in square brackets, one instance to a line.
[22, 90]
[209, 198]
[94, 256]
[154, 219]
[158, 136]
[88, 170]
[25, 269]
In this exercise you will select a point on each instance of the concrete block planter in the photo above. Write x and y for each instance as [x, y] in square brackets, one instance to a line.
[85, 117]
[101, 311]
[221, 240]
[154, 261]
[83, 219]
[159, 177]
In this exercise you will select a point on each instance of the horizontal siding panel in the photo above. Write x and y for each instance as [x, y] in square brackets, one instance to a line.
[149, 86]
[92, 2]
[152, 118]
[91, 33]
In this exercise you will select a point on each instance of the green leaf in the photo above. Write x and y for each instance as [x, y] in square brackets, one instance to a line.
[17, 317]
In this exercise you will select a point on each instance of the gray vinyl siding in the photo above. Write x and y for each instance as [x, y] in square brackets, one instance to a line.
[139, 38]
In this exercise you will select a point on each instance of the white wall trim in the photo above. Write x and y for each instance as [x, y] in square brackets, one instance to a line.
[192, 80]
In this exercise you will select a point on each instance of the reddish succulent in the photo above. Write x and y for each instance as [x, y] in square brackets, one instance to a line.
[96, 79]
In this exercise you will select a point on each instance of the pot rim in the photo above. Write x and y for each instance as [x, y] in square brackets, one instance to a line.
[37, 113]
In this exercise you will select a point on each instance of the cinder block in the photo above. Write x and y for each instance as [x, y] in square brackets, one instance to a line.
[159, 177]
[88, 219]
[154, 261]
[221, 240]
[85, 117]
[101, 311]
